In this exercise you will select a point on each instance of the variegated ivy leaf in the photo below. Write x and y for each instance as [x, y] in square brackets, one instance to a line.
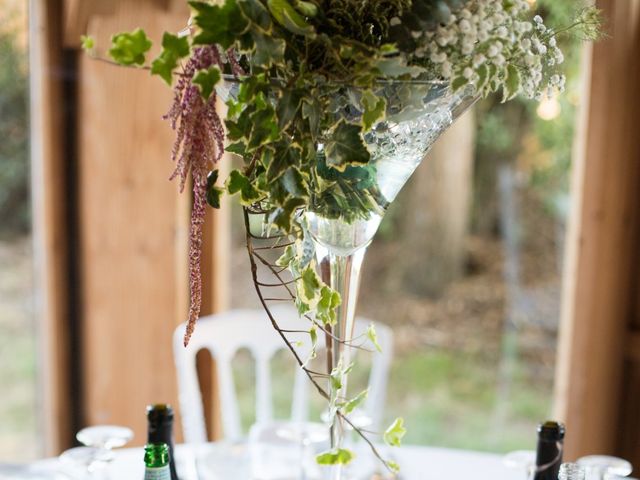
[341, 456]
[237, 182]
[308, 9]
[283, 216]
[512, 83]
[221, 24]
[393, 435]
[130, 48]
[374, 109]
[268, 50]
[326, 307]
[206, 80]
[373, 337]
[393, 466]
[345, 146]
[287, 257]
[213, 192]
[355, 402]
[284, 13]
[308, 286]
[173, 49]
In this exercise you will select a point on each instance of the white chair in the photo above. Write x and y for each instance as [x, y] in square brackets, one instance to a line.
[225, 333]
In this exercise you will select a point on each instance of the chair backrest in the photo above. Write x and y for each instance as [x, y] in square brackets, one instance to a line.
[225, 333]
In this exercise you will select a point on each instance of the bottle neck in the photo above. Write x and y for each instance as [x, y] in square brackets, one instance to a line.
[156, 455]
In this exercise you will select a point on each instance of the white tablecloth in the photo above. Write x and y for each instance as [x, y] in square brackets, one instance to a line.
[231, 463]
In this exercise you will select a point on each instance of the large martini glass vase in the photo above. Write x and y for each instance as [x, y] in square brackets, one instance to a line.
[397, 145]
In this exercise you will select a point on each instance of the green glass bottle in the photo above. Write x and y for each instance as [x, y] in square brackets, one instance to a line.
[160, 430]
[549, 450]
[156, 462]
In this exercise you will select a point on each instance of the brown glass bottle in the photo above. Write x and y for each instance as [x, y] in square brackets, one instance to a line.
[549, 450]
[160, 430]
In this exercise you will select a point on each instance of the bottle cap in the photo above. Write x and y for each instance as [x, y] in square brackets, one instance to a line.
[160, 411]
[551, 430]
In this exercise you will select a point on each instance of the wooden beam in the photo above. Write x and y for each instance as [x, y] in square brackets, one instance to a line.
[602, 241]
[49, 189]
[632, 350]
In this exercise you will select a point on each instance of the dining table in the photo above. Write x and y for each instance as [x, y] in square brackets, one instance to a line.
[231, 461]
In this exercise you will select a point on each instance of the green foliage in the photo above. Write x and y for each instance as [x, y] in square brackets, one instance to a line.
[341, 456]
[345, 146]
[206, 81]
[130, 48]
[14, 131]
[393, 435]
[173, 49]
[87, 43]
[219, 24]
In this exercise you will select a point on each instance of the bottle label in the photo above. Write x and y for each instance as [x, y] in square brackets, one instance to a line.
[161, 473]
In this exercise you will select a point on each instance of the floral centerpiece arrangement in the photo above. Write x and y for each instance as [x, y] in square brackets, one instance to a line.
[319, 93]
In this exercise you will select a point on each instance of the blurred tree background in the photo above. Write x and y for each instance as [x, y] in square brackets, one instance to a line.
[18, 425]
[14, 123]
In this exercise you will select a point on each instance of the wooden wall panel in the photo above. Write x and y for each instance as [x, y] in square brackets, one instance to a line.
[602, 248]
[133, 228]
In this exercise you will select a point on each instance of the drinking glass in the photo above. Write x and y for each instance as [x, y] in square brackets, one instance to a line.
[84, 462]
[523, 460]
[605, 467]
[106, 437]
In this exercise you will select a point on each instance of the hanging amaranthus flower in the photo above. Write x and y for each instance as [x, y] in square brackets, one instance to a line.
[198, 146]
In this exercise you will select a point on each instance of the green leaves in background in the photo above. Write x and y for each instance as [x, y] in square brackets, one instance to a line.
[130, 48]
[206, 80]
[393, 435]
[173, 49]
[221, 24]
[345, 146]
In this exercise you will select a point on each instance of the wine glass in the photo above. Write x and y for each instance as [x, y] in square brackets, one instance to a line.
[523, 460]
[605, 467]
[84, 462]
[106, 437]
[98, 442]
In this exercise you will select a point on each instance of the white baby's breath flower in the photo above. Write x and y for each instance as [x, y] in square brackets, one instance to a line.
[464, 25]
[499, 60]
[538, 19]
[395, 21]
[467, 72]
[478, 60]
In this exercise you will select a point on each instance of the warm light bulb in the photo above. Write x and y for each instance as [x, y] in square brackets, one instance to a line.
[549, 108]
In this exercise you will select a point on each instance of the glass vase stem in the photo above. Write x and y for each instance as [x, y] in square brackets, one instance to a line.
[341, 273]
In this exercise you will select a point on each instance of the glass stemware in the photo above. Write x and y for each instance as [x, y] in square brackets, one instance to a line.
[84, 462]
[522, 460]
[605, 467]
[106, 437]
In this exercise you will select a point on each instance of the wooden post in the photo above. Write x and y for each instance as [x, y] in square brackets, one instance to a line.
[50, 223]
[602, 242]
